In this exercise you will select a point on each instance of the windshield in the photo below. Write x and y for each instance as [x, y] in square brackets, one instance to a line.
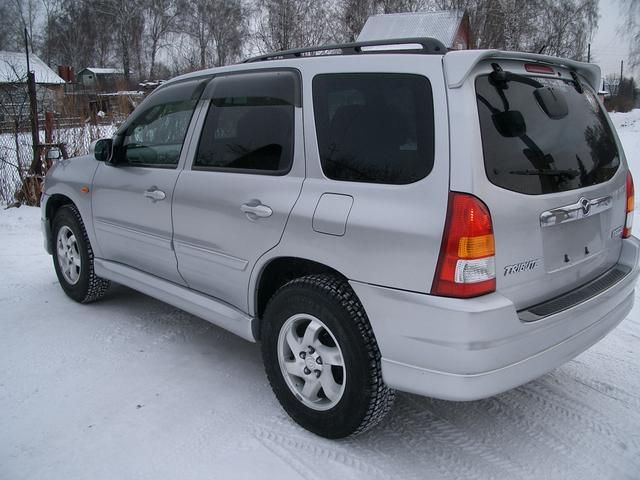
[544, 138]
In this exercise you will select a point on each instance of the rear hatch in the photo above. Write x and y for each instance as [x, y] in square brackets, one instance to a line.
[554, 180]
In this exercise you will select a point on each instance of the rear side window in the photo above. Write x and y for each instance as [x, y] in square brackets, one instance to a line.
[249, 125]
[374, 127]
[541, 135]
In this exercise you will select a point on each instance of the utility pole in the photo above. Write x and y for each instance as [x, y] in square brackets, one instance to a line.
[620, 82]
[33, 102]
[589, 53]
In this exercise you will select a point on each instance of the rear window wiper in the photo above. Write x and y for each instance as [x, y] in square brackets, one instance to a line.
[499, 78]
[569, 173]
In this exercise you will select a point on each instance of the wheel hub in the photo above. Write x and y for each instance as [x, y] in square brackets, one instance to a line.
[68, 254]
[311, 362]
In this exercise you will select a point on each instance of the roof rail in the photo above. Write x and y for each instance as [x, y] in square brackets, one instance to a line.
[430, 46]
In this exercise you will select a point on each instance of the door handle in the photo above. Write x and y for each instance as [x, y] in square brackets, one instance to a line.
[254, 210]
[154, 194]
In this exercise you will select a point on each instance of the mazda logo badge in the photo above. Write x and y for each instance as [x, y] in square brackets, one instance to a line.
[585, 205]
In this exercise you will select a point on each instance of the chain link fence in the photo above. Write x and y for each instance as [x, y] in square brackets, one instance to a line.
[16, 151]
[15, 158]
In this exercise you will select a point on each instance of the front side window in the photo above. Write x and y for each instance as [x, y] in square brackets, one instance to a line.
[154, 137]
[249, 125]
[374, 127]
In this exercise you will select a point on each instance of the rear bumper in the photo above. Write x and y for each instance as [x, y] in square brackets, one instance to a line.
[469, 349]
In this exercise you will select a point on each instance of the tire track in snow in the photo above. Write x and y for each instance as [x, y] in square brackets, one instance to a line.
[466, 437]
[481, 422]
[425, 438]
[608, 390]
[314, 448]
[551, 451]
[301, 470]
[569, 437]
[576, 409]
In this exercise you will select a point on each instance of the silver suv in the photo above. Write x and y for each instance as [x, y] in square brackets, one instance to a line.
[381, 216]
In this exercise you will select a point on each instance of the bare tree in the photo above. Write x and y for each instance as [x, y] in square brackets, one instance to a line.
[196, 24]
[562, 27]
[79, 35]
[631, 9]
[353, 15]
[399, 6]
[16, 15]
[28, 11]
[229, 29]
[4, 32]
[218, 28]
[183, 56]
[286, 24]
[567, 26]
[52, 10]
[161, 17]
[126, 16]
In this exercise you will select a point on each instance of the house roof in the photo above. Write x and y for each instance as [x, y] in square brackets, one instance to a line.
[440, 25]
[13, 69]
[103, 71]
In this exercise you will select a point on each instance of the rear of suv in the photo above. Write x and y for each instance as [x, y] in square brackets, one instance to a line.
[452, 224]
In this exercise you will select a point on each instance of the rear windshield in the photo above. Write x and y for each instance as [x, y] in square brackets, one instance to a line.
[541, 135]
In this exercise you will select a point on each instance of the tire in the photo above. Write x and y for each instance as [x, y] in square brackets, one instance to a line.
[73, 257]
[325, 308]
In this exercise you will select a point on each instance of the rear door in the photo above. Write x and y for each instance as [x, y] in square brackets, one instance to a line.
[231, 205]
[548, 166]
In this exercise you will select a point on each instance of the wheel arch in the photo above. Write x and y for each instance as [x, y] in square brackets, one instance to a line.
[278, 271]
[54, 203]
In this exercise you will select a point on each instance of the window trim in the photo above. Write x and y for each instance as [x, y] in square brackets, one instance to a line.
[297, 96]
[209, 103]
[148, 165]
[433, 125]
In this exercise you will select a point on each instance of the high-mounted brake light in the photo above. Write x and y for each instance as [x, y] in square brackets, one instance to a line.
[466, 265]
[628, 222]
[537, 68]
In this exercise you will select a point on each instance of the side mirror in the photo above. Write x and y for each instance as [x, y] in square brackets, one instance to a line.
[510, 123]
[101, 149]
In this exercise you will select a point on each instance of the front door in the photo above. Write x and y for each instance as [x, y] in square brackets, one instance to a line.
[132, 194]
[232, 204]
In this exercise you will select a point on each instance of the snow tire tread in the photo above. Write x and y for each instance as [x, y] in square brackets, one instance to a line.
[339, 291]
[97, 286]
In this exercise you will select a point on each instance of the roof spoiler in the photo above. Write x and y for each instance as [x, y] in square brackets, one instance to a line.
[459, 64]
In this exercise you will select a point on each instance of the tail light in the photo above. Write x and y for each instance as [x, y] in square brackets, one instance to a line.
[628, 223]
[466, 265]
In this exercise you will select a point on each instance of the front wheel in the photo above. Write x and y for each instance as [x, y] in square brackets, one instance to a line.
[322, 359]
[73, 257]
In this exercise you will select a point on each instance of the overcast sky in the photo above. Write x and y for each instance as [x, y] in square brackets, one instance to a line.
[609, 44]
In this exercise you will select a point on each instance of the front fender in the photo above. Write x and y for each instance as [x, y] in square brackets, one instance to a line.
[73, 178]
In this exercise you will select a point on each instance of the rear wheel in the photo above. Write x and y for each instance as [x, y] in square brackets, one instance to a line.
[73, 257]
[322, 359]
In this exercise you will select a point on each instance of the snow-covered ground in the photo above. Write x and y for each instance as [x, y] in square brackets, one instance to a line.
[130, 388]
